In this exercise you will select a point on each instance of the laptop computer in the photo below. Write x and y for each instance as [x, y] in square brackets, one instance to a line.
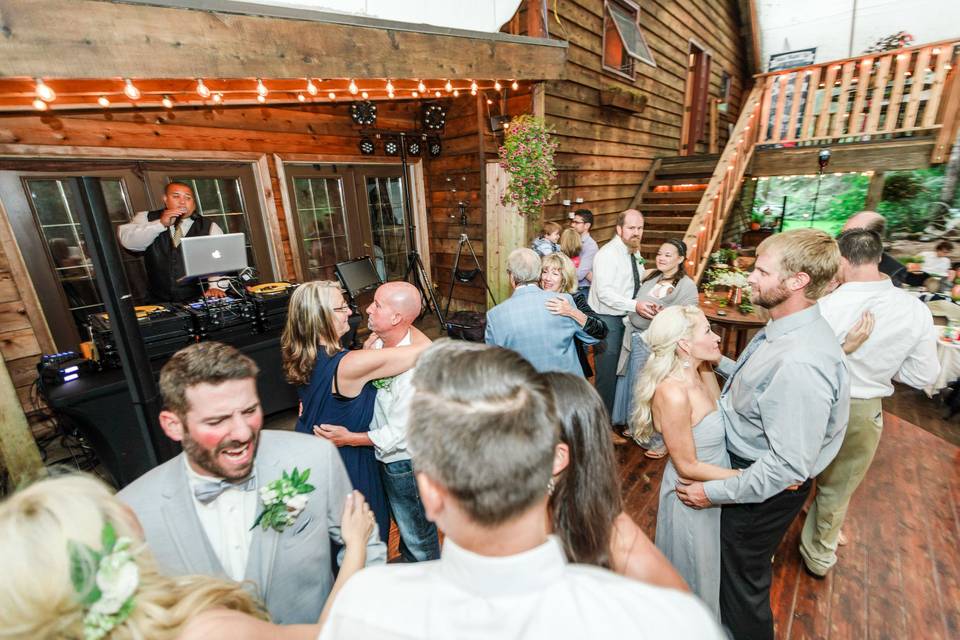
[213, 255]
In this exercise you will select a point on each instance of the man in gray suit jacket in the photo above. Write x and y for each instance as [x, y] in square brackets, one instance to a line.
[523, 322]
[198, 510]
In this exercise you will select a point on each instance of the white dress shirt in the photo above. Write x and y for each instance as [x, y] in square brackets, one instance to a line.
[226, 520]
[388, 429]
[934, 264]
[902, 346]
[611, 292]
[534, 594]
[139, 233]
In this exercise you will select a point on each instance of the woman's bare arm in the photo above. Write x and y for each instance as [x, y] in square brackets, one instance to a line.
[671, 414]
[216, 624]
[360, 367]
[634, 555]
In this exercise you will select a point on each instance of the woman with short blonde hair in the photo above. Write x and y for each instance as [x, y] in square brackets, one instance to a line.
[76, 566]
[557, 273]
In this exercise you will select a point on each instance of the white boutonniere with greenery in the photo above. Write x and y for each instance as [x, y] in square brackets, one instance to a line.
[105, 582]
[283, 500]
[383, 383]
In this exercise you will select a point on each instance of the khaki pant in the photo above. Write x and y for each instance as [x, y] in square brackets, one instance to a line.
[836, 484]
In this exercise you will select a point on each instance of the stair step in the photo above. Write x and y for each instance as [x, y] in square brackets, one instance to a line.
[658, 180]
[703, 157]
[691, 169]
[672, 197]
[667, 222]
[677, 207]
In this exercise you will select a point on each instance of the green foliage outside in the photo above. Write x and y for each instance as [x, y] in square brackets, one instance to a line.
[908, 196]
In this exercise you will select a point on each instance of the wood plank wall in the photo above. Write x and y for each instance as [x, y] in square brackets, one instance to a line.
[604, 153]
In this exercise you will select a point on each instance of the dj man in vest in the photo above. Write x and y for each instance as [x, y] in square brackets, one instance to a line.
[158, 234]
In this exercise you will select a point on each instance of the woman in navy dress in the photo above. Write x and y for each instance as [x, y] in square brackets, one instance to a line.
[335, 385]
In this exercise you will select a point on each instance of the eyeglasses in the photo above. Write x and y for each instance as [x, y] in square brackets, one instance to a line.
[575, 221]
[342, 309]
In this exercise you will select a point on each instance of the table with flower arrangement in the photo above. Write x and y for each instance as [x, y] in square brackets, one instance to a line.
[730, 322]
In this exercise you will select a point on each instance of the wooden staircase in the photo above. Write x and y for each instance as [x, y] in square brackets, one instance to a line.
[669, 196]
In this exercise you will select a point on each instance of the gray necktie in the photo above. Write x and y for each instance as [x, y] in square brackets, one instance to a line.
[177, 234]
[207, 492]
[742, 360]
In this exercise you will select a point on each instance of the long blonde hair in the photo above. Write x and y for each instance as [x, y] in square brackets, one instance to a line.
[568, 273]
[310, 326]
[666, 330]
[36, 524]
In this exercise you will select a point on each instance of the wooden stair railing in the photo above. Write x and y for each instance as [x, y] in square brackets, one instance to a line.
[724, 187]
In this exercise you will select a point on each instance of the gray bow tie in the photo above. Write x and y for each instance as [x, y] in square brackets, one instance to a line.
[207, 492]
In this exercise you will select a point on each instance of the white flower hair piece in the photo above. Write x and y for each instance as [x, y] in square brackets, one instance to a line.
[105, 582]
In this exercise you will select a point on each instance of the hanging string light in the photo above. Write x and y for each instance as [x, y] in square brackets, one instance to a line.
[473, 87]
[311, 88]
[44, 92]
[261, 99]
[39, 104]
[389, 86]
[390, 94]
[497, 85]
[167, 102]
[218, 97]
[514, 85]
[301, 97]
[437, 93]
[130, 90]
[414, 94]
[456, 93]
[202, 90]
[353, 88]
[422, 88]
[332, 95]
[103, 101]
[261, 89]
[448, 87]
[364, 95]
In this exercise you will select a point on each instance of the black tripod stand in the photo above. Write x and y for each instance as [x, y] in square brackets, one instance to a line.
[416, 273]
[465, 276]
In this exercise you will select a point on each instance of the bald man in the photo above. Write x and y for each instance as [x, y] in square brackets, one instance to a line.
[873, 221]
[394, 308]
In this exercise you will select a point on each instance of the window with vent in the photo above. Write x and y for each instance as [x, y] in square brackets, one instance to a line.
[623, 43]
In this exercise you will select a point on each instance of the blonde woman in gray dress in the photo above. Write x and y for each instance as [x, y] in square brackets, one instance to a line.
[677, 396]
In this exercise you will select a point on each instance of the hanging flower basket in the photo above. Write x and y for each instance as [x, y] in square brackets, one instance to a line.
[527, 154]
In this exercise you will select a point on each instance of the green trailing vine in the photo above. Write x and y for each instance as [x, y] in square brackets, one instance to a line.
[527, 154]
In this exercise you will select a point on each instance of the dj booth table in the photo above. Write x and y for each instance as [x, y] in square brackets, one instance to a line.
[100, 404]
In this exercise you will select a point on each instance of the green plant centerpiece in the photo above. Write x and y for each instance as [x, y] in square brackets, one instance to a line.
[735, 280]
[527, 154]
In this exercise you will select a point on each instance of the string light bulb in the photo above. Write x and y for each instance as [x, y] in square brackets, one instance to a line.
[301, 97]
[437, 93]
[514, 85]
[39, 104]
[456, 93]
[44, 92]
[473, 87]
[261, 98]
[167, 102]
[202, 90]
[448, 87]
[364, 95]
[311, 88]
[497, 85]
[390, 94]
[389, 87]
[261, 89]
[103, 101]
[218, 97]
[422, 88]
[332, 95]
[473, 90]
[414, 94]
[130, 90]
[353, 88]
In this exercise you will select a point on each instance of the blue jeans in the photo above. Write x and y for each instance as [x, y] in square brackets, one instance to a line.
[418, 536]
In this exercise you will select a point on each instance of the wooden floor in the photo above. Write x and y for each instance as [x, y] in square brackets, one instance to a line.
[900, 575]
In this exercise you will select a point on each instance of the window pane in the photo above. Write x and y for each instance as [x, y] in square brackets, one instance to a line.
[49, 202]
[115, 196]
[320, 212]
[389, 226]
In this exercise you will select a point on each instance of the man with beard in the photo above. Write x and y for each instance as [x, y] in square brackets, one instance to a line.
[785, 405]
[198, 509]
[617, 274]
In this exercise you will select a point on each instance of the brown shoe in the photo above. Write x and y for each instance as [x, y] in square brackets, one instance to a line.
[618, 440]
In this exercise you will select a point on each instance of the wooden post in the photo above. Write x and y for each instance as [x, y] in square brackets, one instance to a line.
[536, 18]
[714, 144]
[506, 231]
[874, 191]
[18, 450]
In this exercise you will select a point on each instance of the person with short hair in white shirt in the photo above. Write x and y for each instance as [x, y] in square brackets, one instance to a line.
[483, 433]
[887, 334]
[617, 275]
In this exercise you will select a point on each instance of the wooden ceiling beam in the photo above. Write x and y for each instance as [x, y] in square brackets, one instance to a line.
[91, 39]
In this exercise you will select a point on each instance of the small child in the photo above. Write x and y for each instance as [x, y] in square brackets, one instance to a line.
[571, 244]
[546, 242]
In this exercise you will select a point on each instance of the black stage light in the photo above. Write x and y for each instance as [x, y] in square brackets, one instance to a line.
[434, 146]
[364, 113]
[391, 146]
[433, 116]
[414, 146]
[366, 146]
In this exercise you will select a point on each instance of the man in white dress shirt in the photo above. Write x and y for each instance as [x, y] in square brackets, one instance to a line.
[617, 273]
[391, 314]
[902, 345]
[483, 432]
[198, 509]
[157, 234]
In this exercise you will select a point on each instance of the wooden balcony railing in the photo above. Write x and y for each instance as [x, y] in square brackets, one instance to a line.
[724, 187]
[881, 95]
